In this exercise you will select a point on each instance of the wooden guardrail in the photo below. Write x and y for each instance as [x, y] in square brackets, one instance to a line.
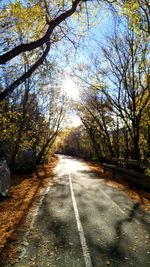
[130, 163]
[131, 175]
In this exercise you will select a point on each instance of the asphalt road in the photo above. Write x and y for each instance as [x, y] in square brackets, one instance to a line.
[82, 222]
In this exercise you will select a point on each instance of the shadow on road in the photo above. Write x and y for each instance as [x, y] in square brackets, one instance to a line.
[115, 249]
[92, 175]
[119, 249]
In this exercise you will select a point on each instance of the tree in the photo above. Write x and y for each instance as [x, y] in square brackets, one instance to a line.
[125, 76]
[138, 13]
[128, 71]
[54, 118]
[31, 117]
[75, 142]
[96, 114]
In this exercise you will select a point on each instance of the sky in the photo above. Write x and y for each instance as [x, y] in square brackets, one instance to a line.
[74, 121]
[102, 28]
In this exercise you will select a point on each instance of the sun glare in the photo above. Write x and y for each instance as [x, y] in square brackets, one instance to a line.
[70, 88]
[75, 121]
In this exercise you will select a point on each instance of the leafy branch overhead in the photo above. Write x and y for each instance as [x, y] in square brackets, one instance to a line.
[46, 38]
[21, 14]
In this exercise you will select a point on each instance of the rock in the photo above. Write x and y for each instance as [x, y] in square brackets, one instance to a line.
[4, 178]
[25, 161]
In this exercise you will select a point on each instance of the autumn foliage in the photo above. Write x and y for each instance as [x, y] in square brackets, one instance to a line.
[23, 191]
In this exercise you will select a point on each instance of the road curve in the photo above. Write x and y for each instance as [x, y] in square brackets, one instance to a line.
[82, 222]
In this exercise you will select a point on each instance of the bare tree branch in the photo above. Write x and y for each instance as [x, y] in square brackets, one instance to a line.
[26, 75]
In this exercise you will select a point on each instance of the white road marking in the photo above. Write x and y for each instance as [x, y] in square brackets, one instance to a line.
[34, 214]
[122, 211]
[86, 254]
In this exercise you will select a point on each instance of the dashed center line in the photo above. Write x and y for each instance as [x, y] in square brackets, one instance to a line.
[86, 254]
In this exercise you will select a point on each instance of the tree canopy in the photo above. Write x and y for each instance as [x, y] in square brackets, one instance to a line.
[43, 42]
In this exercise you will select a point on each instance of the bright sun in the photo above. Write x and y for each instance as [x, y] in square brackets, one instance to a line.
[70, 88]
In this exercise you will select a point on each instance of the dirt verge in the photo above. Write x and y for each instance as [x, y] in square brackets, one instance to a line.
[24, 190]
